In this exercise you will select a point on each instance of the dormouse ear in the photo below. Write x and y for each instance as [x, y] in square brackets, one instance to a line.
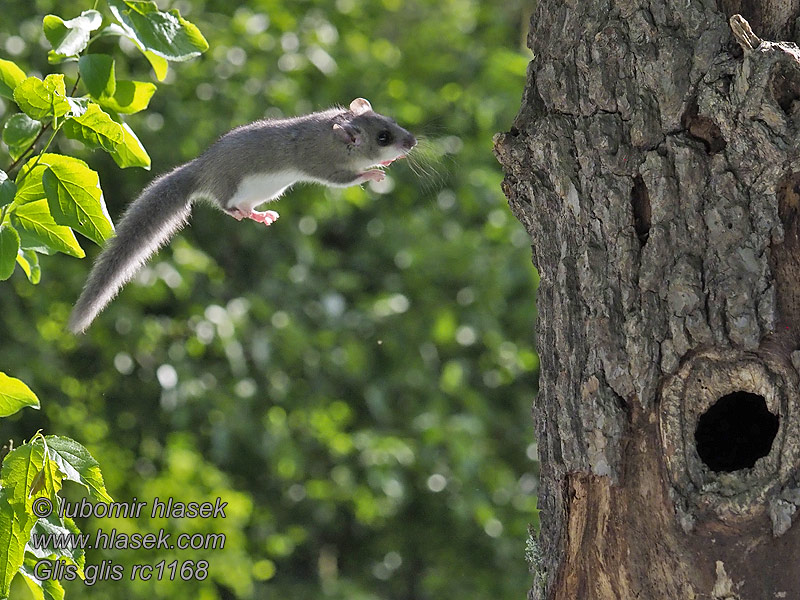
[360, 106]
[348, 134]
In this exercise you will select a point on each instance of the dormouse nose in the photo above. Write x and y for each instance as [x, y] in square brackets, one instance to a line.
[409, 142]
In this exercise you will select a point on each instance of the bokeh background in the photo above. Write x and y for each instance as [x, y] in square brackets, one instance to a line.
[355, 381]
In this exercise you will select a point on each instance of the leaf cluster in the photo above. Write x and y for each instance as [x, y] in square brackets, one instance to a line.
[38, 469]
[51, 197]
[55, 195]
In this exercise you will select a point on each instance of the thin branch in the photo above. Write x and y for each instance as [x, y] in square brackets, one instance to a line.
[28, 149]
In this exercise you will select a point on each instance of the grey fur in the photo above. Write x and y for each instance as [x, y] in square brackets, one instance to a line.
[148, 223]
[335, 147]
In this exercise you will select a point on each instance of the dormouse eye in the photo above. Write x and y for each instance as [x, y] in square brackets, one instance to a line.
[384, 137]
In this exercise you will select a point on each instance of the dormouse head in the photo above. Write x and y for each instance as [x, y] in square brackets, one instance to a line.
[372, 138]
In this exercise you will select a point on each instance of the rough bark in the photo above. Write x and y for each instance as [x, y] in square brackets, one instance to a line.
[655, 164]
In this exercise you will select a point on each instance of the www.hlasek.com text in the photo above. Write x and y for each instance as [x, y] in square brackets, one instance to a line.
[128, 541]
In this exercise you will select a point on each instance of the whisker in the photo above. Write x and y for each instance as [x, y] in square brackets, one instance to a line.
[426, 161]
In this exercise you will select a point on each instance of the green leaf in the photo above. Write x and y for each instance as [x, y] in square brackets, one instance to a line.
[165, 34]
[131, 153]
[57, 59]
[42, 99]
[8, 189]
[159, 64]
[9, 246]
[47, 589]
[95, 128]
[38, 231]
[78, 554]
[97, 72]
[76, 200]
[70, 38]
[19, 470]
[20, 467]
[15, 528]
[130, 97]
[15, 395]
[29, 262]
[29, 183]
[72, 192]
[53, 525]
[19, 132]
[48, 479]
[10, 77]
[77, 465]
[77, 106]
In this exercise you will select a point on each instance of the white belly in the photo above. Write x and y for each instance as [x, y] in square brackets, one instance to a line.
[257, 189]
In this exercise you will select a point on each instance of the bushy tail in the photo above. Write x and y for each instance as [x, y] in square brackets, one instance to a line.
[148, 223]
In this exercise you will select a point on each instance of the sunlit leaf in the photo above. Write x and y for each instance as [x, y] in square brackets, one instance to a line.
[38, 482]
[69, 38]
[53, 525]
[29, 183]
[72, 193]
[41, 589]
[10, 77]
[97, 129]
[77, 465]
[94, 128]
[15, 395]
[159, 64]
[165, 34]
[15, 527]
[19, 469]
[29, 263]
[77, 106]
[130, 97]
[131, 153]
[9, 246]
[37, 230]
[41, 100]
[76, 200]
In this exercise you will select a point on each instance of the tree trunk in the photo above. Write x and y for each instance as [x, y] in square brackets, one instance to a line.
[655, 164]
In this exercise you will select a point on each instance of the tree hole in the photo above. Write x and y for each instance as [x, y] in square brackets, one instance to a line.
[735, 432]
[640, 203]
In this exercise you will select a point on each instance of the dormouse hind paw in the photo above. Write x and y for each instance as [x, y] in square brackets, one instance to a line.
[268, 217]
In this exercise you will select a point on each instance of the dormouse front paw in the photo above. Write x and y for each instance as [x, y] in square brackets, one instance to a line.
[373, 175]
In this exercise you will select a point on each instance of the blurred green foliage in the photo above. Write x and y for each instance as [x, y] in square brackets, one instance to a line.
[355, 380]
